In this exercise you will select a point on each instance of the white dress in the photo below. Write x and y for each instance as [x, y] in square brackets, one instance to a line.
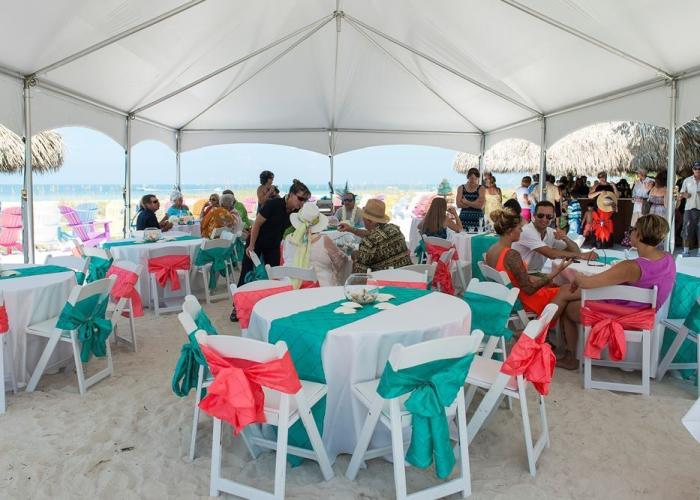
[331, 265]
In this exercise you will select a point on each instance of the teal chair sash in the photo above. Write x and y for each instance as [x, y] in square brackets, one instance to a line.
[191, 358]
[489, 315]
[88, 318]
[217, 257]
[97, 269]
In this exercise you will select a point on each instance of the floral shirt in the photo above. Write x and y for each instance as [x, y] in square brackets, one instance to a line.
[382, 248]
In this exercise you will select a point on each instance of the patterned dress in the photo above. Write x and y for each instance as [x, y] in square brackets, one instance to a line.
[470, 217]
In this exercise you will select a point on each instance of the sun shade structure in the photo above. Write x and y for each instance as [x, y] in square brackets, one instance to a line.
[47, 152]
[332, 76]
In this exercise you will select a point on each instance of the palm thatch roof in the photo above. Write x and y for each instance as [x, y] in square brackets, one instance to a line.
[616, 147]
[47, 152]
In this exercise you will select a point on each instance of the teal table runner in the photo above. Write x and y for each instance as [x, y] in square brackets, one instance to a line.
[23, 272]
[681, 304]
[126, 243]
[305, 332]
[480, 245]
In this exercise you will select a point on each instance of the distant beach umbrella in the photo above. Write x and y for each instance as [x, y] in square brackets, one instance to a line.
[616, 147]
[48, 152]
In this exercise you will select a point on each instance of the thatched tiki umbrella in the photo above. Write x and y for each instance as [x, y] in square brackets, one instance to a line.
[615, 147]
[47, 152]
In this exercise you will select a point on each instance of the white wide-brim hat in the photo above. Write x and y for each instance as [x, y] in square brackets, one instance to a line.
[311, 216]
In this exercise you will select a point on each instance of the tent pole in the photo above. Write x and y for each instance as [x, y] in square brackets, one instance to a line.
[482, 151]
[178, 169]
[543, 160]
[127, 178]
[671, 170]
[28, 190]
[331, 155]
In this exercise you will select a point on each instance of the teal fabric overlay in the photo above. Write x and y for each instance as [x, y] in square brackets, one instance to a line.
[126, 243]
[97, 269]
[606, 260]
[191, 358]
[80, 277]
[433, 386]
[217, 257]
[305, 332]
[692, 322]
[88, 318]
[419, 251]
[489, 315]
[682, 302]
[257, 274]
[480, 245]
[36, 271]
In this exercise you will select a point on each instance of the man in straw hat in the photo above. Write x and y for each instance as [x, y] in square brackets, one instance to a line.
[383, 246]
[690, 190]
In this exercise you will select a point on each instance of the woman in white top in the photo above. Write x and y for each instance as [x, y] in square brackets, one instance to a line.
[309, 248]
[640, 192]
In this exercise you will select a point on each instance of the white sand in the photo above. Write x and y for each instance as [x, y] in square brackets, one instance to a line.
[128, 438]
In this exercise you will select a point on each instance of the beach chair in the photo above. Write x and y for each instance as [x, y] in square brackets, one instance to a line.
[166, 267]
[281, 409]
[637, 335]
[402, 277]
[501, 277]
[90, 301]
[11, 229]
[422, 268]
[489, 374]
[5, 347]
[393, 414]
[84, 230]
[125, 298]
[213, 257]
[306, 276]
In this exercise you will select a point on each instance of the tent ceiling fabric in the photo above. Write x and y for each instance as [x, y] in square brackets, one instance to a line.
[437, 70]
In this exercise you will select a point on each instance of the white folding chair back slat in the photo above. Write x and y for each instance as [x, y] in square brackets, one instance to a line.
[423, 268]
[208, 244]
[102, 253]
[284, 409]
[402, 274]
[70, 261]
[289, 272]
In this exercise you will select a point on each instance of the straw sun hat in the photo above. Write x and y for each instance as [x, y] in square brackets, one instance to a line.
[607, 201]
[375, 210]
[309, 214]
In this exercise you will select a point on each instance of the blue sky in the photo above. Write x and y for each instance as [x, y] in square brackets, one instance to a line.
[94, 158]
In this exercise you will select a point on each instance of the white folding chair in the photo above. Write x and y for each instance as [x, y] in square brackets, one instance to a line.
[102, 253]
[124, 305]
[401, 275]
[6, 347]
[49, 330]
[290, 272]
[205, 270]
[282, 410]
[77, 264]
[499, 292]
[501, 277]
[183, 275]
[423, 268]
[486, 374]
[629, 293]
[455, 265]
[394, 416]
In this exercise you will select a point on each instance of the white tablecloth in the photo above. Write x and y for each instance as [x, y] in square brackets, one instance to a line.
[358, 351]
[138, 254]
[567, 275]
[30, 300]
[188, 229]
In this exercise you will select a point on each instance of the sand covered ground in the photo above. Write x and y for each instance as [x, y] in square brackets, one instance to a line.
[128, 438]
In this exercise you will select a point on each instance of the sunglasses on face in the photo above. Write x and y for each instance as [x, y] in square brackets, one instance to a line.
[348, 201]
[154, 201]
[542, 216]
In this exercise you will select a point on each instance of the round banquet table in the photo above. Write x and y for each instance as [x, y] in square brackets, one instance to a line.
[358, 351]
[188, 229]
[138, 254]
[28, 300]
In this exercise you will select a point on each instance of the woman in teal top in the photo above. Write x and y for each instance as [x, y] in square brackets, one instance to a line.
[178, 208]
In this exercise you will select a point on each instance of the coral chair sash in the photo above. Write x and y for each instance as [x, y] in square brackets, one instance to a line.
[608, 323]
[236, 395]
[4, 320]
[166, 268]
[88, 318]
[245, 301]
[443, 277]
[534, 359]
[125, 287]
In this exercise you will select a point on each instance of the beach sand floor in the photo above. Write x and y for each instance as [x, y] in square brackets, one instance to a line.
[128, 438]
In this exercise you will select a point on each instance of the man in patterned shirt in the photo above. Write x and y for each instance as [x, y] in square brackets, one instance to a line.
[383, 246]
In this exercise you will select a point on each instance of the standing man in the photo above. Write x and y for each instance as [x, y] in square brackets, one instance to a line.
[690, 190]
[539, 242]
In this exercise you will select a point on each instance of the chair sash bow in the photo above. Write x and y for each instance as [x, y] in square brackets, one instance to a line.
[88, 318]
[244, 301]
[166, 267]
[97, 269]
[125, 287]
[187, 367]
[236, 394]
[433, 386]
[608, 323]
[443, 277]
[534, 359]
[217, 257]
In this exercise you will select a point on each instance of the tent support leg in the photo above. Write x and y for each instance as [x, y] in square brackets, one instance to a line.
[28, 188]
[178, 170]
[671, 169]
[127, 178]
[543, 160]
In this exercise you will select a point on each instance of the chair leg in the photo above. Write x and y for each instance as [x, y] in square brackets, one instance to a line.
[368, 427]
[154, 295]
[543, 421]
[2, 374]
[195, 418]
[205, 281]
[43, 361]
[132, 325]
[215, 473]
[11, 361]
[678, 340]
[282, 439]
[314, 436]
[527, 430]
[78, 362]
[646, 363]
[397, 449]
[463, 444]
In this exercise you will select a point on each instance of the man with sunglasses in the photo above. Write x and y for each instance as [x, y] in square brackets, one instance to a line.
[147, 214]
[539, 241]
[349, 212]
[690, 190]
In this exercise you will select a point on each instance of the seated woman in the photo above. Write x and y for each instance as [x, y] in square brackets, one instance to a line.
[439, 218]
[223, 216]
[308, 248]
[535, 291]
[653, 267]
[212, 203]
[178, 208]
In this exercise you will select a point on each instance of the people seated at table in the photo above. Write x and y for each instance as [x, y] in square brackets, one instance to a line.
[540, 242]
[146, 218]
[221, 216]
[439, 218]
[308, 248]
[178, 207]
[471, 198]
[212, 203]
[266, 191]
[535, 291]
[241, 209]
[383, 246]
[653, 267]
[349, 212]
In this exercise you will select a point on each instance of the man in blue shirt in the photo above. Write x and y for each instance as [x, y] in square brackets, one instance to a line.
[147, 216]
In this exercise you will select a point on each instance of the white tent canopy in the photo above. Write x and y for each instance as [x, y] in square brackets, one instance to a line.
[332, 76]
